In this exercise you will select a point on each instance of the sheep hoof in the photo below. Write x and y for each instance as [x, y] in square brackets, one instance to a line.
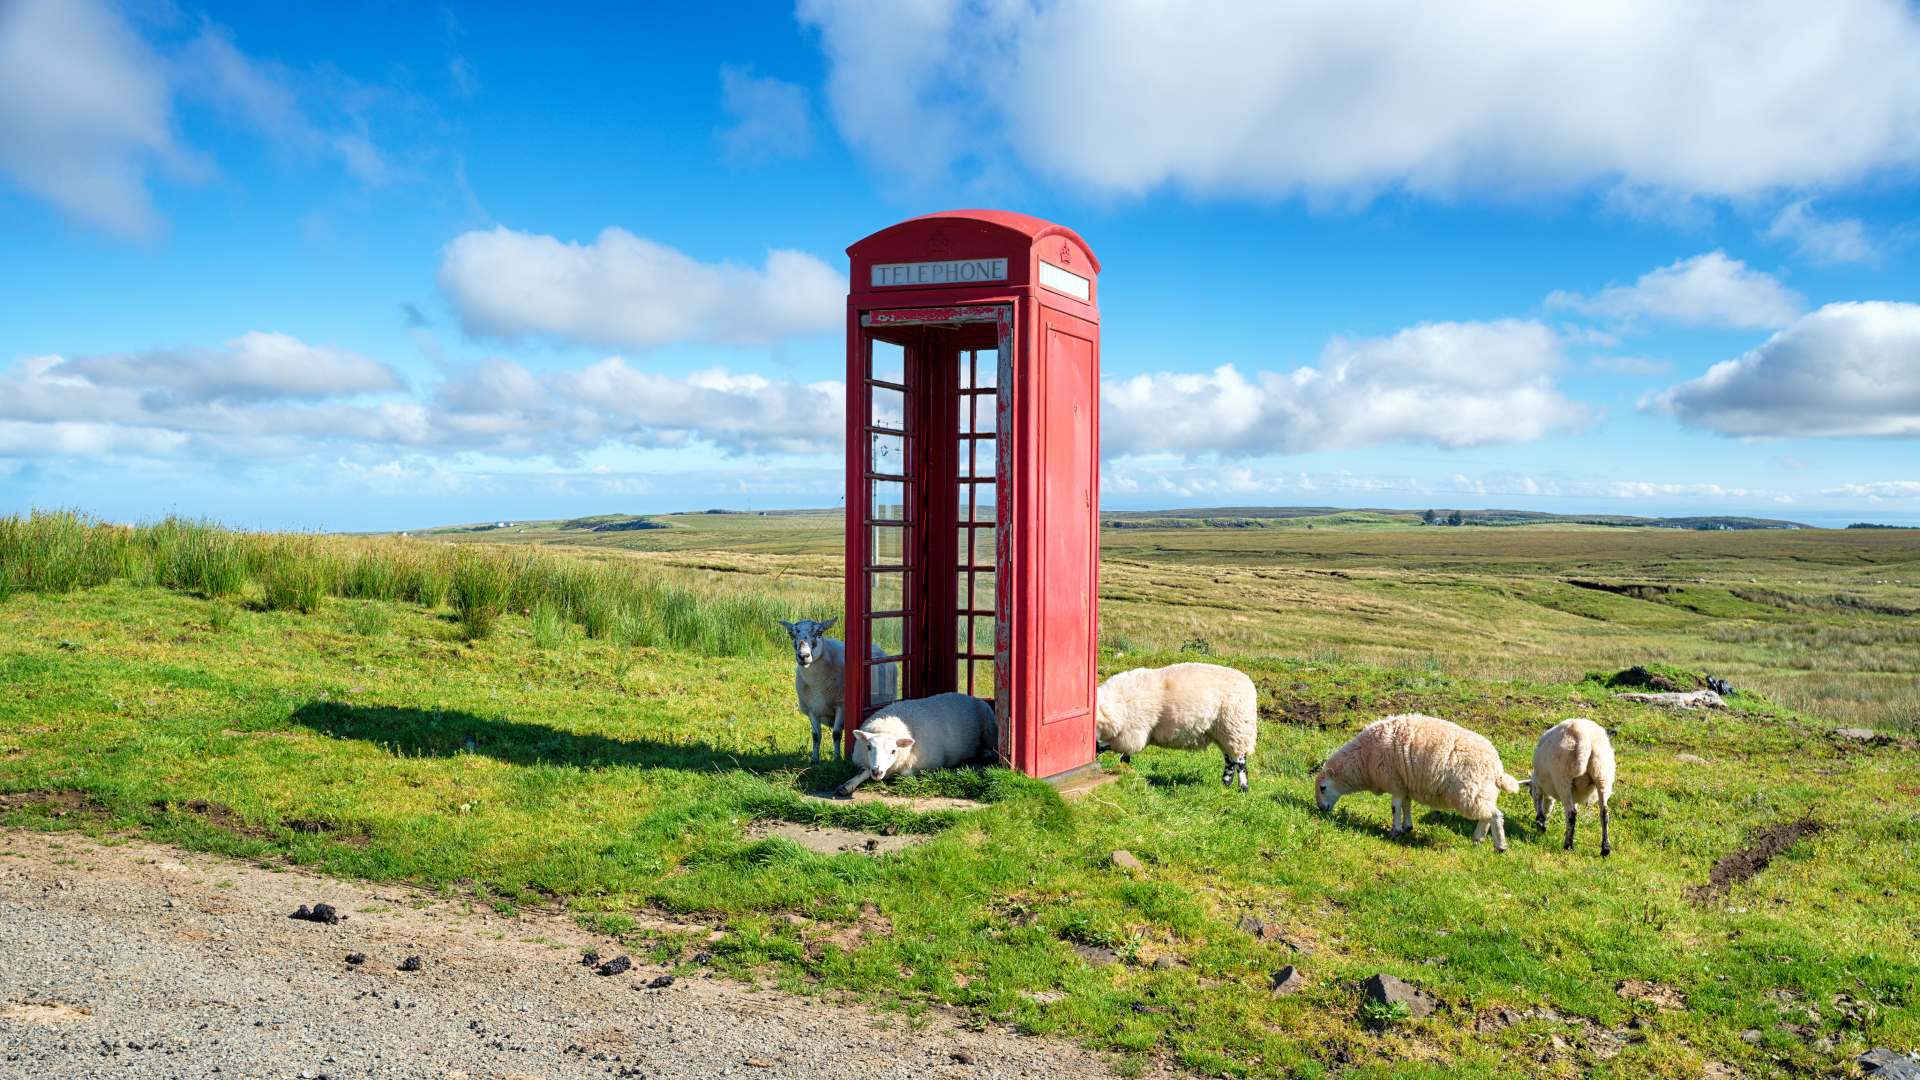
[1605, 850]
[1501, 850]
[1540, 823]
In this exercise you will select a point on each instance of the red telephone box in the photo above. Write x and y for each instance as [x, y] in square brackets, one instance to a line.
[973, 436]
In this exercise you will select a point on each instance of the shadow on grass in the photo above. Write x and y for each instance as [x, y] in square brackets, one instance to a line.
[444, 733]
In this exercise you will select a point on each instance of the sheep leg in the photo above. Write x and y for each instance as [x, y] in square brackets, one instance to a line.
[1480, 829]
[1572, 814]
[847, 789]
[1400, 812]
[1499, 831]
[1540, 805]
[1236, 769]
[1606, 842]
[839, 723]
[816, 738]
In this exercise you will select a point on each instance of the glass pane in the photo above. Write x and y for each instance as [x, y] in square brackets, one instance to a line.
[966, 368]
[889, 362]
[888, 635]
[982, 499]
[886, 592]
[888, 454]
[988, 409]
[887, 546]
[989, 372]
[960, 677]
[962, 554]
[983, 679]
[883, 682]
[983, 454]
[889, 408]
[964, 407]
[983, 590]
[889, 500]
[982, 636]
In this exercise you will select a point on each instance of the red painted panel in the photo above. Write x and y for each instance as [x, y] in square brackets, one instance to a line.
[1068, 546]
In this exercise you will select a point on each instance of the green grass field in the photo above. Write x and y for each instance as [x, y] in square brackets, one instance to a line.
[179, 684]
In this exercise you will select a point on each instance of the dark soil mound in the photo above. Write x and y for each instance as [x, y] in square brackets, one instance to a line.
[1742, 865]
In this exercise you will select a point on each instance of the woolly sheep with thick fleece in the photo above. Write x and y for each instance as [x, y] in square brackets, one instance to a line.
[1573, 763]
[1183, 707]
[1423, 759]
[922, 735]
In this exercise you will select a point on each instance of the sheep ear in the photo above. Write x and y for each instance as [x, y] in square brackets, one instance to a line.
[786, 624]
[828, 625]
[863, 736]
[903, 742]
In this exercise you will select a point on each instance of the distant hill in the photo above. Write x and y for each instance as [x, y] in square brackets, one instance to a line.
[1243, 517]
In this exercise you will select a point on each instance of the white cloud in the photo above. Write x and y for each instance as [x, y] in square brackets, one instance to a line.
[767, 117]
[269, 395]
[1878, 490]
[1444, 384]
[262, 96]
[1710, 97]
[1640, 489]
[1848, 369]
[625, 291]
[1706, 290]
[1827, 241]
[86, 112]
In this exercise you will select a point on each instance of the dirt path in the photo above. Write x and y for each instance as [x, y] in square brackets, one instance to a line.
[133, 960]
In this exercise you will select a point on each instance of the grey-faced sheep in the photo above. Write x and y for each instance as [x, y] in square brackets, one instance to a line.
[1573, 763]
[819, 678]
[1183, 707]
[1422, 759]
[922, 735]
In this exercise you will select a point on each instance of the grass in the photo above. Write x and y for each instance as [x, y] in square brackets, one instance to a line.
[618, 775]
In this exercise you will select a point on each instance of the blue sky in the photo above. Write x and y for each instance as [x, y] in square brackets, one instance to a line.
[377, 265]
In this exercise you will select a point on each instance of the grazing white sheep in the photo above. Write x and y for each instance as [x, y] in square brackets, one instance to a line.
[1421, 759]
[922, 735]
[820, 681]
[1573, 762]
[1183, 707]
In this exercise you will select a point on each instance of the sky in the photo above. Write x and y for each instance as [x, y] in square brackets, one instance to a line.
[381, 265]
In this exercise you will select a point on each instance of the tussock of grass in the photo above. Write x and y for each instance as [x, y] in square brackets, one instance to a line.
[637, 605]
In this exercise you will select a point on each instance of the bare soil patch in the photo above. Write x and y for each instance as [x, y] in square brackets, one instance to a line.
[922, 805]
[1659, 995]
[44, 1012]
[56, 802]
[1740, 866]
[828, 840]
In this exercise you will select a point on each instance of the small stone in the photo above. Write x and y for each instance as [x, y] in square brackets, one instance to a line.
[356, 958]
[1751, 1036]
[1097, 955]
[1385, 989]
[1164, 963]
[320, 913]
[1691, 759]
[660, 983]
[1127, 860]
[614, 966]
[1287, 980]
[413, 963]
[590, 958]
[1884, 1064]
[961, 1057]
[1858, 734]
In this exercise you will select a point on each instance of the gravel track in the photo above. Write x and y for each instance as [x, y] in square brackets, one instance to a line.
[126, 959]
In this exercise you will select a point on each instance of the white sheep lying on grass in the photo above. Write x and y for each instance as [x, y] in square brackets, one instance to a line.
[1573, 762]
[1422, 759]
[820, 681]
[1183, 707]
[922, 735]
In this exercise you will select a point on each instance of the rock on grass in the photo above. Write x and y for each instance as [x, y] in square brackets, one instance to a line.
[1384, 989]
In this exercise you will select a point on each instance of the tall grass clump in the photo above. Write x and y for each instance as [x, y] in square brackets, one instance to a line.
[549, 625]
[294, 577]
[479, 591]
[423, 577]
[369, 619]
[59, 552]
[375, 573]
[197, 556]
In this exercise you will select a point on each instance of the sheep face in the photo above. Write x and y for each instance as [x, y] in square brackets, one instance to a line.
[806, 635]
[1326, 793]
[880, 753]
